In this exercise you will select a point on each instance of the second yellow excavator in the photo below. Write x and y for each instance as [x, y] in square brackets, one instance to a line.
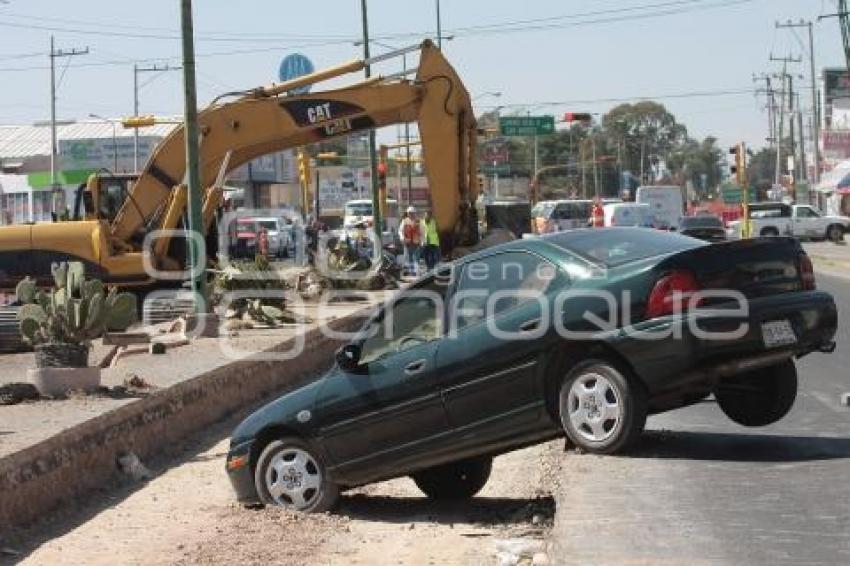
[116, 213]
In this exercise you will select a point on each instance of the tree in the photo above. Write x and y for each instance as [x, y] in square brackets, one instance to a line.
[646, 131]
[690, 160]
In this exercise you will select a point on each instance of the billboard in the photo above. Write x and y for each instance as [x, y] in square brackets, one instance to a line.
[836, 92]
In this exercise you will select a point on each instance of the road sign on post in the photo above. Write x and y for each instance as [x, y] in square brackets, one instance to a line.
[294, 66]
[526, 125]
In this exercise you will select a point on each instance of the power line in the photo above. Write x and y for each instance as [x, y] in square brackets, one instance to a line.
[693, 94]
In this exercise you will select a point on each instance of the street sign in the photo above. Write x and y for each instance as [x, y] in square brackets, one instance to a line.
[527, 125]
[294, 66]
[501, 169]
[732, 194]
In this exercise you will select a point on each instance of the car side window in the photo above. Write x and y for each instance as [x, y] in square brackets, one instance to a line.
[508, 280]
[806, 212]
[415, 318]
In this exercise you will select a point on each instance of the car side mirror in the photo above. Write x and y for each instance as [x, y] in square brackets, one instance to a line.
[348, 357]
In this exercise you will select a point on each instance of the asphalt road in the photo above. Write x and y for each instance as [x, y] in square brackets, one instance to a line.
[701, 489]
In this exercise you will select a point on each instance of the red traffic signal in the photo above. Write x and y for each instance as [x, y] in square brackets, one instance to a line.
[578, 117]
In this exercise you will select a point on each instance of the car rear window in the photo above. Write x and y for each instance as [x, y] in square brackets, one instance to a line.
[701, 222]
[618, 246]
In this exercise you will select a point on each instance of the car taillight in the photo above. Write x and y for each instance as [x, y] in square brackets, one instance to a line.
[807, 272]
[672, 293]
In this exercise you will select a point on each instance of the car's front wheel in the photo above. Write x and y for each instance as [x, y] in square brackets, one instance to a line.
[759, 397]
[602, 410]
[290, 474]
[457, 480]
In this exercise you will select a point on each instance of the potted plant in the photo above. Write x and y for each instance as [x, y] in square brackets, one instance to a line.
[60, 325]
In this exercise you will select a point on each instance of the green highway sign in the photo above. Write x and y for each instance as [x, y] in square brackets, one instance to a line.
[732, 194]
[526, 125]
[498, 169]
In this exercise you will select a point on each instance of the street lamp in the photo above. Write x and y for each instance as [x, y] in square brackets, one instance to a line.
[114, 140]
[494, 94]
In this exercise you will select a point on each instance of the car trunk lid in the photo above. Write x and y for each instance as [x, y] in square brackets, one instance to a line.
[755, 267]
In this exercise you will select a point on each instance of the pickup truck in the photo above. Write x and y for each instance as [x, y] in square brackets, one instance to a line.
[798, 220]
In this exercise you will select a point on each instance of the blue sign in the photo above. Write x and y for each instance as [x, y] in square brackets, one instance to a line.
[294, 66]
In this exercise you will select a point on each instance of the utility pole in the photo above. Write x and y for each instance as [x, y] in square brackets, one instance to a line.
[790, 96]
[812, 72]
[595, 168]
[136, 71]
[373, 159]
[54, 54]
[439, 28]
[197, 256]
[771, 107]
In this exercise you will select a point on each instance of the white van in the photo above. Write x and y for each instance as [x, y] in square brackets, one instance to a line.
[360, 210]
[666, 202]
[628, 214]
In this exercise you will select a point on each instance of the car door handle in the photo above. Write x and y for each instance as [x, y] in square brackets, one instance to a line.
[414, 367]
[529, 325]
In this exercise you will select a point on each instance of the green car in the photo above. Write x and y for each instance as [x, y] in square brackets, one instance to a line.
[581, 333]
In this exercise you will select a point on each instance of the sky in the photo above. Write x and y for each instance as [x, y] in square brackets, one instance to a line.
[572, 55]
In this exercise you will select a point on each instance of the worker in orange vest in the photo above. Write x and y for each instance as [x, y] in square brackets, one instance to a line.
[597, 215]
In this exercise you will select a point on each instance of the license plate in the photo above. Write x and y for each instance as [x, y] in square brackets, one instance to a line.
[778, 333]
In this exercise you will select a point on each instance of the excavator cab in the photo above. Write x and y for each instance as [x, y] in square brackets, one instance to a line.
[102, 196]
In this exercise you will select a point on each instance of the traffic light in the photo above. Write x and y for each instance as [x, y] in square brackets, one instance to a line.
[383, 165]
[739, 169]
[304, 168]
[582, 117]
[138, 121]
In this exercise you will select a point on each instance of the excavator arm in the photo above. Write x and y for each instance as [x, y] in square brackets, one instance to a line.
[267, 120]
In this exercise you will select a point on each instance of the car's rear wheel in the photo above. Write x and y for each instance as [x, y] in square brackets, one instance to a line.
[457, 480]
[759, 397]
[290, 474]
[835, 233]
[602, 408]
[769, 232]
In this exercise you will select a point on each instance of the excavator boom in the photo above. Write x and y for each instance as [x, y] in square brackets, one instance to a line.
[266, 120]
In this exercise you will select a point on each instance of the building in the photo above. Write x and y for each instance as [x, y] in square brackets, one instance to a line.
[28, 194]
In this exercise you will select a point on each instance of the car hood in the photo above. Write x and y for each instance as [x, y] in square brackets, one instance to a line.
[283, 411]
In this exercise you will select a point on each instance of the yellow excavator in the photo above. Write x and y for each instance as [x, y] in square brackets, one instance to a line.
[114, 213]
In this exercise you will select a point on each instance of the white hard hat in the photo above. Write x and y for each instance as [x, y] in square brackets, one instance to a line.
[411, 209]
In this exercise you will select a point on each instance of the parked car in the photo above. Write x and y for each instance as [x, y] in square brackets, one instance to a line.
[666, 202]
[559, 215]
[628, 214]
[798, 220]
[703, 226]
[243, 239]
[489, 354]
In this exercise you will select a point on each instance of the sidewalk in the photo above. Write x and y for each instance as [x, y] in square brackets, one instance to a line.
[42, 442]
[830, 258]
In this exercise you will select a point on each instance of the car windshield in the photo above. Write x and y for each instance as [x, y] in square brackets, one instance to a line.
[268, 224]
[542, 209]
[358, 209]
[701, 222]
[617, 246]
[245, 226]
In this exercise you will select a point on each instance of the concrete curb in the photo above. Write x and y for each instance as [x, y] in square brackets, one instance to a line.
[83, 459]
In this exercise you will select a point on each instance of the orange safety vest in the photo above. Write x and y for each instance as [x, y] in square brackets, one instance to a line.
[597, 219]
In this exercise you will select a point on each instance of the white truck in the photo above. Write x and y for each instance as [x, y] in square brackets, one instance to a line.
[798, 220]
[666, 203]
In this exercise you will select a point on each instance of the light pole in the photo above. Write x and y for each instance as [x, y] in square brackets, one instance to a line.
[193, 177]
[136, 71]
[114, 140]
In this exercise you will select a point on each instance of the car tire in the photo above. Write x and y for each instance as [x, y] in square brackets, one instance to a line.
[457, 480]
[759, 397]
[769, 232]
[307, 489]
[602, 408]
[835, 233]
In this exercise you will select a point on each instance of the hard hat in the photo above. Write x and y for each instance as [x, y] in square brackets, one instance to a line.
[411, 209]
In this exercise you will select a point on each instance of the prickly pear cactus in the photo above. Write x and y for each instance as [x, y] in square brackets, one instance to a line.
[26, 290]
[76, 311]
